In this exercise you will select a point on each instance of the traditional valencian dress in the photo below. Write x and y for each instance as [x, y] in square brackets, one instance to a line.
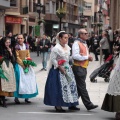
[111, 101]
[59, 91]
[7, 88]
[26, 82]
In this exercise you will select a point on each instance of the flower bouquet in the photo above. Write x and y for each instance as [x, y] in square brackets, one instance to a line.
[66, 67]
[27, 62]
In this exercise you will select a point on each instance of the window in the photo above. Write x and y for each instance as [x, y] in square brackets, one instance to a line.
[54, 8]
[13, 3]
[30, 6]
[47, 7]
[88, 6]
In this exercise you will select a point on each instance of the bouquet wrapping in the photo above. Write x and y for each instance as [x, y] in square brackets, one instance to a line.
[2, 75]
[28, 62]
[2, 72]
[66, 67]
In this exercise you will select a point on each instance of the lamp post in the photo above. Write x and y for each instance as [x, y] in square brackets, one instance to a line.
[39, 8]
[82, 19]
[60, 17]
[100, 14]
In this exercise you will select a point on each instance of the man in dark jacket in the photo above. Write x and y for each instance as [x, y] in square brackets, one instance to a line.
[12, 39]
[44, 47]
[95, 47]
[70, 41]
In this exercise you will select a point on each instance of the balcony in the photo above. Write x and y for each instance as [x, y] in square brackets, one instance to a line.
[4, 4]
[87, 12]
[24, 10]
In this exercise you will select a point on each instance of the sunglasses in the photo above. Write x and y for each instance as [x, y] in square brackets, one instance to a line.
[85, 33]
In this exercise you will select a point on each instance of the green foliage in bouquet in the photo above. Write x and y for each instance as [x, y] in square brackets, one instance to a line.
[2, 75]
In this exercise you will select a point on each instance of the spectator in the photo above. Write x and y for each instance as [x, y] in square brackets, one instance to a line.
[12, 39]
[91, 40]
[105, 44]
[44, 47]
[38, 45]
[70, 41]
[110, 32]
[95, 47]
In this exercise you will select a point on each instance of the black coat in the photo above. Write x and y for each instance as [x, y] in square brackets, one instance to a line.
[45, 49]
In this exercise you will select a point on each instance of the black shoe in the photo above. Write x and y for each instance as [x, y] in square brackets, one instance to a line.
[74, 108]
[17, 101]
[4, 102]
[117, 116]
[59, 109]
[45, 69]
[42, 69]
[92, 107]
[27, 101]
[4, 105]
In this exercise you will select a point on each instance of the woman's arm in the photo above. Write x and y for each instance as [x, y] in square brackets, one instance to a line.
[55, 62]
[28, 54]
[102, 41]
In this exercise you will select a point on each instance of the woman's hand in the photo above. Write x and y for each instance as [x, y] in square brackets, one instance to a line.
[62, 70]
[23, 67]
[10, 51]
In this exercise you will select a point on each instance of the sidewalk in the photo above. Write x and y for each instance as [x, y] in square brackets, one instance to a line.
[96, 91]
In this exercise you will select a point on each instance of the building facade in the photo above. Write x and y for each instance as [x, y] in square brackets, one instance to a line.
[70, 23]
[115, 14]
[22, 16]
[4, 4]
[88, 14]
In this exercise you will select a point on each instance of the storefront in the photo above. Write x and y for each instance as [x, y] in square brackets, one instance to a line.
[13, 24]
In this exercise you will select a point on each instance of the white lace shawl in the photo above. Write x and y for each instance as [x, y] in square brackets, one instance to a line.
[58, 53]
[114, 84]
[22, 47]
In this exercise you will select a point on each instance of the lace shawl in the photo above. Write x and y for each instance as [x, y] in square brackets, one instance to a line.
[114, 84]
[58, 53]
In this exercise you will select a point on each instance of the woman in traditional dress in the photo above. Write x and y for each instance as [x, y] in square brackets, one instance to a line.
[26, 82]
[7, 87]
[111, 101]
[60, 90]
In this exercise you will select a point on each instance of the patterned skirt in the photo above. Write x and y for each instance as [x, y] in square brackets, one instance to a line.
[58, 92]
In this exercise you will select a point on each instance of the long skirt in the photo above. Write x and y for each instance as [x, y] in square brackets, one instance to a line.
[8, 87]
[111, 103]
[54, 93]
[30, 90]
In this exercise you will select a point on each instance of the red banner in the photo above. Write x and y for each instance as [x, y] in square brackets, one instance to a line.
[11, 19]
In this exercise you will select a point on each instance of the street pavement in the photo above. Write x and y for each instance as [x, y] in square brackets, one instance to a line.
[38, 111]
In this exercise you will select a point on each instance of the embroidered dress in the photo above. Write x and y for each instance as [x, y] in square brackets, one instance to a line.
[26, 82]
[111, 101]
[58, 90]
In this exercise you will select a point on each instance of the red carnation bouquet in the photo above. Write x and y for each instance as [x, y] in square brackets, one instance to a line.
[66, 67]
